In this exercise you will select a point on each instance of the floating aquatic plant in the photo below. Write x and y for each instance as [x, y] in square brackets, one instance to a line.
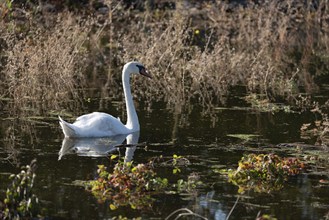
[135, 185]
[176, 162]
[264, 172]
[190, 185]
[128, 184]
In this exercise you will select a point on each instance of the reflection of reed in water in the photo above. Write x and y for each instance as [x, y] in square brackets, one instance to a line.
[10, 148]
[16, 133]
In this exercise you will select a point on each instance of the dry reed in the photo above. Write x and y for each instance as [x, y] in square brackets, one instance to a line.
[45, 67]
[276, 48]
[272, 48]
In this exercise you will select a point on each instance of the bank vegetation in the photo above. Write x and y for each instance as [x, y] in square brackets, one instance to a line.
[195, 50]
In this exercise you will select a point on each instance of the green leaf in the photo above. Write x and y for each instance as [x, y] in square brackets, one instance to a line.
[128, 164]
[176, 170]
[100, 166]
[175, 156]
[113, 207]
[114, 157]
[12, 176]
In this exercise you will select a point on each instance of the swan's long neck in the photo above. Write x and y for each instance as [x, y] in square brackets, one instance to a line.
[132, 118]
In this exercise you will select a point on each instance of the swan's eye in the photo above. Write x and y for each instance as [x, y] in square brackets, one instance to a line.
[141, 69]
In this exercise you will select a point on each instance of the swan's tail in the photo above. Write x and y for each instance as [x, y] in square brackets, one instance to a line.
[68, 129]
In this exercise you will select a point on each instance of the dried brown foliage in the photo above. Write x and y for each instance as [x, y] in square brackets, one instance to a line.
[272, 47]
[44, 67]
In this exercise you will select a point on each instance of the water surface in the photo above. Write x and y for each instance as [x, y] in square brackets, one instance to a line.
[202, 138]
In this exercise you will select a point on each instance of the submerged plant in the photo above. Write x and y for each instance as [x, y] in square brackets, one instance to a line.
[263, 172]
[128, 184]
[20, 202]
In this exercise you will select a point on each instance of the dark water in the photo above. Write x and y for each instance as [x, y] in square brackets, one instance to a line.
[203, 140]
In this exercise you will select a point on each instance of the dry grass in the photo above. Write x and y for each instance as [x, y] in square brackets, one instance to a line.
[276, 48]
[45, 67]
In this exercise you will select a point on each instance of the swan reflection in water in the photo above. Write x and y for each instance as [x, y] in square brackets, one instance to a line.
[99, 147]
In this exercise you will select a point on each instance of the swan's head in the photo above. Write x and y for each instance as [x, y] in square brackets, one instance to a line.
[136, 67]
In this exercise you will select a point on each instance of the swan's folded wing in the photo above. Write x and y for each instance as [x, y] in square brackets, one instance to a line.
[99, 124]
[87, 117]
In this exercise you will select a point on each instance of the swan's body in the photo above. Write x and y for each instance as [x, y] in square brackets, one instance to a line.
[99, 124]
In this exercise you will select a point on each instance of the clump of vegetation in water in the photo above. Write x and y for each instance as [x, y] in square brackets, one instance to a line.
[176, 162]
[134, 185]
[193, 181]
[190, 185]
[264, 172]
[20, 202]
[128, 184]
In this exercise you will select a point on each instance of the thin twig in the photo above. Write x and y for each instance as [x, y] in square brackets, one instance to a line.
[187, 212]
[236, 202]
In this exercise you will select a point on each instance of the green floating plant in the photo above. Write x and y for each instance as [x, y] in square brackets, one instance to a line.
[190, 185]
[128, 184]
[20, 202]
[135, 185]
[263, 172]
[176, 162]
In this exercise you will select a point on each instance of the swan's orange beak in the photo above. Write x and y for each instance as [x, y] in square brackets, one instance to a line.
[144, 72]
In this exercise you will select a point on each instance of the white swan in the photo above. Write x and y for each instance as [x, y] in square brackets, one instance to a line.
[98, 124]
